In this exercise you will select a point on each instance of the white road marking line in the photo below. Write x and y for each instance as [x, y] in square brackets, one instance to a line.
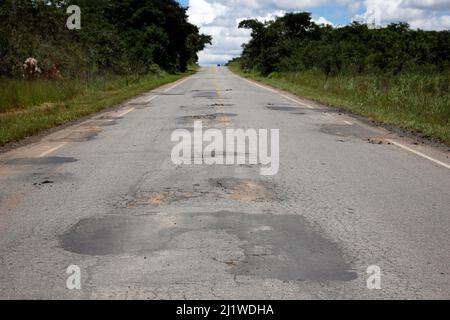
[125, 112]
[261, 86]
[419, 153]
[150, 99]
[177, 84]
[154, 97]
[296, 101]
[278, 92]
[46, 153]
[350, 123]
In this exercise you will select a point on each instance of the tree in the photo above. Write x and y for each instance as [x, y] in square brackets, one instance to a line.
[118, 36]
[295, 42]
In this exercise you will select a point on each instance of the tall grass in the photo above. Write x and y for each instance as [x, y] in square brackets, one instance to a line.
[28, 107]
[412, 101]
[19, 94]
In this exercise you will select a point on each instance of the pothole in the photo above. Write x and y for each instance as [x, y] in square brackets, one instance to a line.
[101, 123]
[161, 198]
[298, 113]
[203, 117]
[222, 105]
[207, 117]
[244, 190]
[40, 161]
[240, 190]
[376, 140]
[206, 94]
[282, 108]
[355, 131]
[81, 135]
[108, 118]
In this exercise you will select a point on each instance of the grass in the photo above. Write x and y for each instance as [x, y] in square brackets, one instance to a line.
[29, 107]
[414, 102]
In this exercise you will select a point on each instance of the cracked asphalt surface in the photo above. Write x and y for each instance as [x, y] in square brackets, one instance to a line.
[104, 195]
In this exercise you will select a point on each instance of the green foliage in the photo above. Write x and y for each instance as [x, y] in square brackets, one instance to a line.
[413, 101]
[124, 47]
[393, 74]
[295, 42]
[20, 94]
[66, 101]
[117, 36]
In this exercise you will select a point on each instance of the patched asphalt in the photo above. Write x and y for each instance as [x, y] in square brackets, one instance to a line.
[109, 200]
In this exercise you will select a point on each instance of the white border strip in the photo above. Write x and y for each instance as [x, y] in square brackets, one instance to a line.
[125, 112]
[178, 84]
[349, 123]
[296, 101]
[277, 92]
[259, 85]
[419, 153]
[150, 99]
[46, 153]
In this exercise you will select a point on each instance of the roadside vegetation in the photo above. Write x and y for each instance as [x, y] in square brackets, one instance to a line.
[50, 75]
[69, 101]
[394, 75]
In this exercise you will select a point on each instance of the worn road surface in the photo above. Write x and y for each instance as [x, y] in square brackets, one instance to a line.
[104, 195]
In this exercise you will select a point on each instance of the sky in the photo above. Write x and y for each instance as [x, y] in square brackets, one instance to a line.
[219, 18]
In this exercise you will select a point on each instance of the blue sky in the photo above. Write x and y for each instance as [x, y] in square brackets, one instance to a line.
[336, 13]
[220, 18]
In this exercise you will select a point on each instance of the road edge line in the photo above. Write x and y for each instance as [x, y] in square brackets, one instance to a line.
[46, 153]
[273, 90]
[402, 146]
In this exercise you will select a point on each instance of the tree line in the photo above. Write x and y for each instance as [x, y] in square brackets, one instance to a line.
[117, 36]
[295, 43]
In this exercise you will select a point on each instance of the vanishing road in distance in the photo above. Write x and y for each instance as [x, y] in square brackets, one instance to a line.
[104, 195]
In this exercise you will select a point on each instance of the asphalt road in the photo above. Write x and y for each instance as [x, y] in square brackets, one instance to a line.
[104, 195]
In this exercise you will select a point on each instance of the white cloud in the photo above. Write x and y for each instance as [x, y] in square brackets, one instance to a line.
[423, 14]
[322, 20]
[428, 4]
[220, 18]
[204, 12]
